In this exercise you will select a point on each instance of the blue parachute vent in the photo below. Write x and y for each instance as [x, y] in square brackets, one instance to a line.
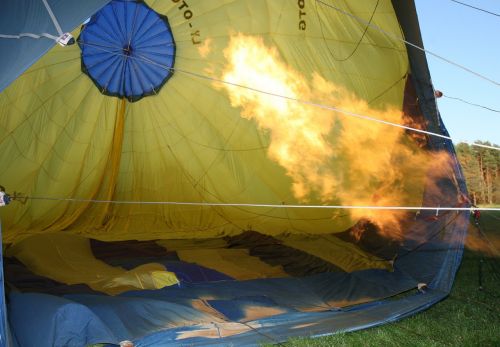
[127, 50]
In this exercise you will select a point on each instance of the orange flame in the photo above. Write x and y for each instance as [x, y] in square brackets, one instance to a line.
[300, 146]
[329, 156]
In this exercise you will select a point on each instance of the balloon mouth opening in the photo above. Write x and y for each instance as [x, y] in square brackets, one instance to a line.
[127, 50]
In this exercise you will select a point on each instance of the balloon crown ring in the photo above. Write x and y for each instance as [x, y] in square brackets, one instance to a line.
[127, 50]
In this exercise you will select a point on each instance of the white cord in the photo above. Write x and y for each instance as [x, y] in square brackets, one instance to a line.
[221, 204]
[53, 17]
[331, 108]
[35, 36]
[38, 36]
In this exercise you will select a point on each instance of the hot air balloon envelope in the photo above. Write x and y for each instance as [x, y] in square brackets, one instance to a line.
[220, 172]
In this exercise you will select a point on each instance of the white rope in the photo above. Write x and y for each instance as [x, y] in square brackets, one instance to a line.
[38, 36]
[409, 43]
[310, 103]
[480, 145]
[53, 17]
[35, 36]
[221, 204]
[333, 108]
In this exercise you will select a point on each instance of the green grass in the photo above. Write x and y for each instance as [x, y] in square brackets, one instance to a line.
[468, 317]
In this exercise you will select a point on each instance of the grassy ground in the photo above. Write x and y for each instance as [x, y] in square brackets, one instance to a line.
[468, 317]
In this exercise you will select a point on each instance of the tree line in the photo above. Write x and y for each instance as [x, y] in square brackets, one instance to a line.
[481, 168]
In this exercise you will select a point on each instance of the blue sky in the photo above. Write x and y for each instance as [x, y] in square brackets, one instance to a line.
[470, 38]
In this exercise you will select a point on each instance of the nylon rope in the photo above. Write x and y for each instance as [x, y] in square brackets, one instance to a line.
[222, 204]
[38, 36]
[53, 17]
[409, 43]
[471, 103]
[331, 108]
[476, 8]
[305, 102]
[35, 36]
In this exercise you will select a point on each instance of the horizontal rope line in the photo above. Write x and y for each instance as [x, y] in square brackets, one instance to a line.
[34, 36]
[130, 202]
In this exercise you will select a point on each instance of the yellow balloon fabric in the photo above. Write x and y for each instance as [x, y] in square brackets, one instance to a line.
[68, 259]
[215, 134]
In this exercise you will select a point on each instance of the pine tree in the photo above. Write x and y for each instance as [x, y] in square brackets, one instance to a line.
[481, 167]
